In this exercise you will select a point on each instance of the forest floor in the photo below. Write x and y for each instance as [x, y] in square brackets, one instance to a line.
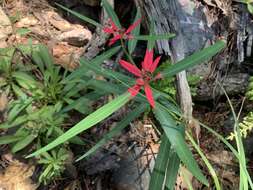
[37, 21]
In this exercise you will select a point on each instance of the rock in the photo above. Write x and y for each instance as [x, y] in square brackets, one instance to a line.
[134, 171]
[5, 25]
[66, 55]
[57, 21]
[234, 83]
[3, 44]
[26, 22]
[99, 162]
[5, 28]
[79, 36]
[92, 2]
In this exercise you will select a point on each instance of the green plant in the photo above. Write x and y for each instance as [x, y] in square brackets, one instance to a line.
[167, 85]
[245, 127]
[117, 83]
[14, 76]
[39, 125]
[53, 164]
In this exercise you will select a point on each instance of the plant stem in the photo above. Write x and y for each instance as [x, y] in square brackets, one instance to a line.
[126, 52]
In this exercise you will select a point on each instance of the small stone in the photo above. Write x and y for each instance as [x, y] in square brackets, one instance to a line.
[76, 37]
[26, 22]
[57, 21]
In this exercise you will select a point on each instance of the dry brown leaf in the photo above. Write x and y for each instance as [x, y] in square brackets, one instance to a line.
[3, 102]
[17, 177]
[220, 157]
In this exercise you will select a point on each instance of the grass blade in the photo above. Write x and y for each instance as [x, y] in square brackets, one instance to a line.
[154, 37]
[82, 17]
[208, 164]
[79, 72]
[133, 42]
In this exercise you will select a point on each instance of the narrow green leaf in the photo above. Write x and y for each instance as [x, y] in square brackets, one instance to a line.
[107, 73]
[82, 17]
[116, 130]
[23, 143]
[9, 139]
[151, 43]
[133, 42]
[159, 171]
[87, 122]
[110, 11]
[46, 58]
[107, 87]
[196, 58]
[207, 163]
[176, 138]
[154, 37]
[79, 72]
[82, 105]
[172, 170]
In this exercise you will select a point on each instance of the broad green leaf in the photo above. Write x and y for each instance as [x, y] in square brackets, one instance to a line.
[82, 17]
[154, 37]
[74, 140]
[87, 122]
[172, 170]
[23, 143]
[196, 58]
[116, 130]
[9, 139]
[111, 13]
[159, 171]
[175, 135]
[133, 42]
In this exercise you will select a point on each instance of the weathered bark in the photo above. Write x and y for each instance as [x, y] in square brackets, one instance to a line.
[99, 38]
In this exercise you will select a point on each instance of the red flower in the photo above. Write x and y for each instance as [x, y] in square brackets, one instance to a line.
[120, 33]
[144, 75]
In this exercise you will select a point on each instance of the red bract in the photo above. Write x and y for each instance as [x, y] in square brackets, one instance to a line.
[120, 33]
[144, 75]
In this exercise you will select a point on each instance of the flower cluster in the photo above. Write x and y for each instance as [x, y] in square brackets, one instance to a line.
[144, 75]
[120, 33]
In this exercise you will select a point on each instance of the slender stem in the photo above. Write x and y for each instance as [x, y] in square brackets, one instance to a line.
[126, 52]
